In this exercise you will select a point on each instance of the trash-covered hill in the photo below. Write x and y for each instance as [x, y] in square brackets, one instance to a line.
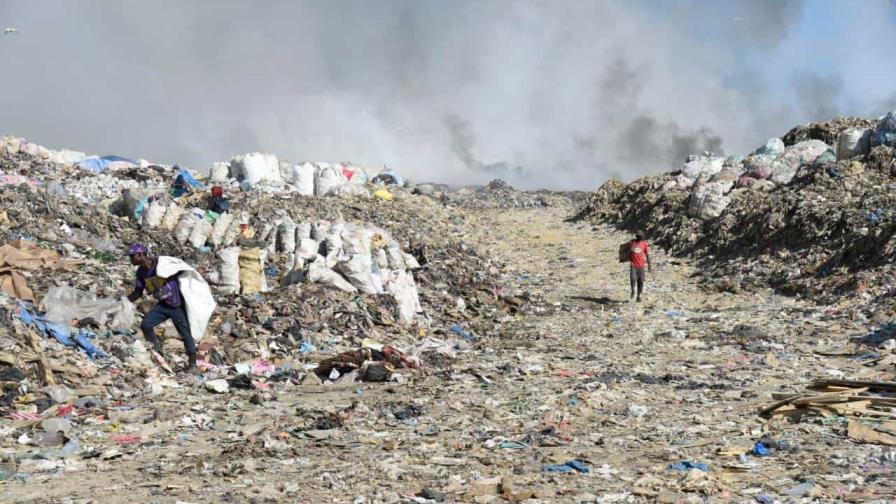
[299, 273]
[812, 213]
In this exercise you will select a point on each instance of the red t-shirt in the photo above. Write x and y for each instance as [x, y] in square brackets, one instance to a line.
[637, 254]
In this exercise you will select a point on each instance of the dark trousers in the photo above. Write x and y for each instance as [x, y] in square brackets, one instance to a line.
[636, 275]
[159, 314]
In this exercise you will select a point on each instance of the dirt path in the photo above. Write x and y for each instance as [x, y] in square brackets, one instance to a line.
[626, 388]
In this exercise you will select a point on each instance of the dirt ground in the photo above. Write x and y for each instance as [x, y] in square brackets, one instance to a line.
[626, 388]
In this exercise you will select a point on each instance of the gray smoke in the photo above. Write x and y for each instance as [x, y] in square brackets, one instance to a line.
[557, 94]
[819, 97]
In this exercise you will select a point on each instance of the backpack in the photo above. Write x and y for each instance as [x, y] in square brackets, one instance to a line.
[625, 252]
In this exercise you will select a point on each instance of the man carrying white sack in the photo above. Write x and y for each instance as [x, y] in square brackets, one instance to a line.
[183, 297]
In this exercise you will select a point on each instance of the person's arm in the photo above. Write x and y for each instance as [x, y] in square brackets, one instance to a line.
[137, 293]
[649, 266]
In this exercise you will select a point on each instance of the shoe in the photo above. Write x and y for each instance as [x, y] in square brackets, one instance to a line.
[192, 368]
[639, 299]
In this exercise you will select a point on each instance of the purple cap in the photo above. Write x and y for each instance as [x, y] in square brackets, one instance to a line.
[137, 248]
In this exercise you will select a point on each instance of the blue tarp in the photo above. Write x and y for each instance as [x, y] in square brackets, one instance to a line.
[60, 332]
[184, 182]
[99, 164]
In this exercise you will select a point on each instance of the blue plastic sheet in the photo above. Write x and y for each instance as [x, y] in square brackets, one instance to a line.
[62, 334]
[83, 340]
[568, 467]
[687, 465]
[760, 450]
[100, 164]
[459, 331]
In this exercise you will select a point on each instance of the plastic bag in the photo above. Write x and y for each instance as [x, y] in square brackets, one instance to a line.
[318, 272]
[172, 215]
[357, 270]
[853, 142]
[222, 225]
[286, 235]
[307, 249]
[185, 227]
[785, 166]
[328, 180]
[404, 290]
[62, 304]
[303, 230]
[251, 271]
[153, 214]
[256, 167]
[229, 270]
[200, 232]
[303, 178]
[220, 172]
[709, 201]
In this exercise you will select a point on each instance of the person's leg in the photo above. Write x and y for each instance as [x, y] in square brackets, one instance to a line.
[182, 324]
[156, 316]
[632, 277]
[640, 282]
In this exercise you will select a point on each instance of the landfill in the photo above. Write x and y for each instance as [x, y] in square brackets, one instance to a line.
[375, 340]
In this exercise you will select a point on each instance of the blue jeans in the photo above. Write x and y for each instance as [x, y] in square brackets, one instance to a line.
[159, 314]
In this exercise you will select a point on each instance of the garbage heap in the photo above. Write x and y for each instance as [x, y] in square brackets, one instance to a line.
[498, 194]
[812, 213]
[298, 280]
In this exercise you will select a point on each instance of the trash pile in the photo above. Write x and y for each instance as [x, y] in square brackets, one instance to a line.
[811, 213]
[499, 194]
[296, 277]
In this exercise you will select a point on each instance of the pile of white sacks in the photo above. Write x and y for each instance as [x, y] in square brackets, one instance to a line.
[15, 145]
[266, 172]
[349, 257]
[711, 179]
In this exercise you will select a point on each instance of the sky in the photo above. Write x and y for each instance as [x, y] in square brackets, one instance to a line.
[561, 95]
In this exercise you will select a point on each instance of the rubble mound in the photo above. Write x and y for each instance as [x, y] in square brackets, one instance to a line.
[824, 228]
[499, 194]
[828, 132]
[64, 226]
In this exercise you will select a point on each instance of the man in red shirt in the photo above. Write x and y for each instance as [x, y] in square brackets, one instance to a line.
[638, 256]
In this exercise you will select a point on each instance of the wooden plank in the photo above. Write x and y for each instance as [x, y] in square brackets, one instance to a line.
[874, 385]
[836, 396]
[42, 363]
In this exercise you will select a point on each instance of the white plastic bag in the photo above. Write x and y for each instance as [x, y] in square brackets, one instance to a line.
[709, 200]
[328, 180]
[784, 167]
[404, 290]
[394, 256]
[219, 230]
[703, 164]
[185, 226]
[303, 178]
[307, 249]
[853, 142]
[255, 167]
[286, 235]
[318, 272]
[62, 304]
[357, 270]
[220, 172]
[172, 215]
[229, 270]
[196, 293]
[200, 232]
[153, 214]
[303, 230]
